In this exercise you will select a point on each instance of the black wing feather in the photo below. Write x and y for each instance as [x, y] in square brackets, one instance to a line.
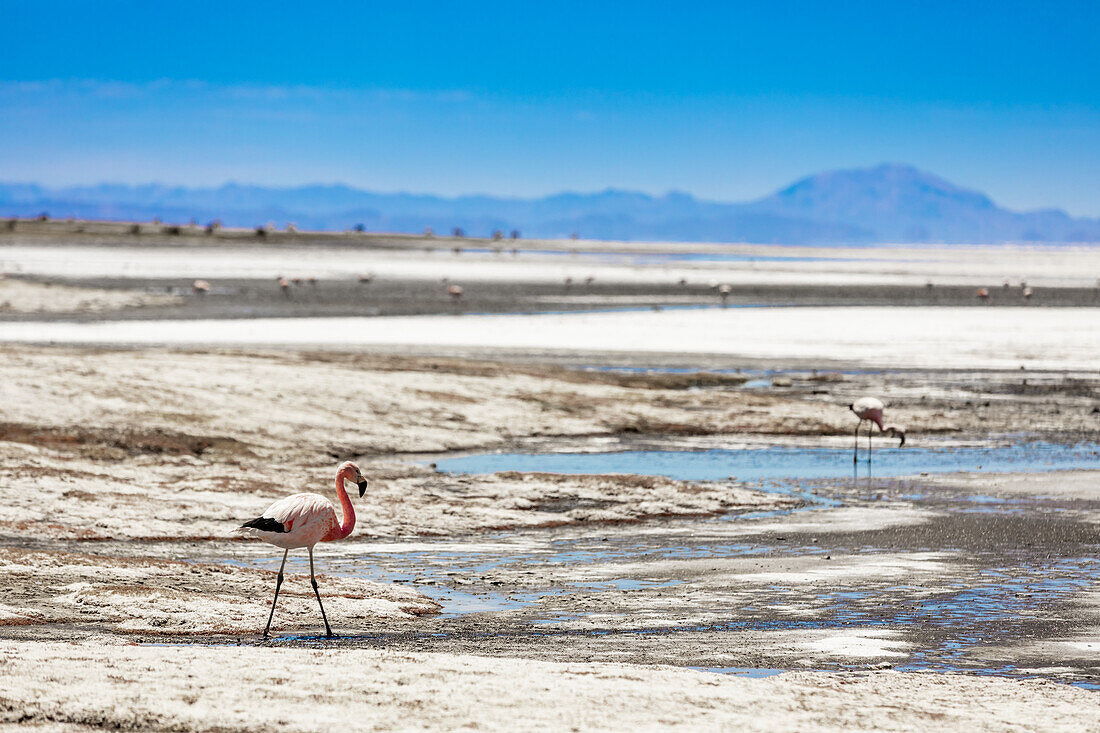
[265, 524]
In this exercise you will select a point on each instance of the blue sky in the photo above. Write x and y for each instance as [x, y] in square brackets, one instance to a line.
[722, 100]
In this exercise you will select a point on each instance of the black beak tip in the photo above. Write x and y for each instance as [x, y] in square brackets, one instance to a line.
[362, 488]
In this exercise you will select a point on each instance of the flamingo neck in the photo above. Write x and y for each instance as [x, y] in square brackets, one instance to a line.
[348, 524]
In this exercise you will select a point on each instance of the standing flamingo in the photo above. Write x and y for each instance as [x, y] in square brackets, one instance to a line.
[303, 520]
[870, 409]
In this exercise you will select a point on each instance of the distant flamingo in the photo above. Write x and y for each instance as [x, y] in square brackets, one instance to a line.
[303, 520]
[1028, 292]
[983, 295]
[870, 409]
[200, 287]
[724, 293]
[366, 279]
[284, 285]
[455, 291]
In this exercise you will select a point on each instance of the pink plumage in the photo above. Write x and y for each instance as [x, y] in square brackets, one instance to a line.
[871, 409]
[303, 520]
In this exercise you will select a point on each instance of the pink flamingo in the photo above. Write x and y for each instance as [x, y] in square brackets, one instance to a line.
[200, 287]
[303, 520]
[455, 291]
[870, 409]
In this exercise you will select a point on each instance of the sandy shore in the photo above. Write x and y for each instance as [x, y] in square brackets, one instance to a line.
[188, 688]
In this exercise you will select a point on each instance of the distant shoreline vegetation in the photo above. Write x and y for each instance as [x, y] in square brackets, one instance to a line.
[889, 203]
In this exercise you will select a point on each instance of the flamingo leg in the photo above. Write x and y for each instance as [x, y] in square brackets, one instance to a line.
[855, 450]
[870, 429]
[278, 584]
[313, 581]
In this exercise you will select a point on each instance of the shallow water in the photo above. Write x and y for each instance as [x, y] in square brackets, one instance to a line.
[772, 463]
[556, 587]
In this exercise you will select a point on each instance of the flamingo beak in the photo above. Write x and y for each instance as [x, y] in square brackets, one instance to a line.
[363, 483]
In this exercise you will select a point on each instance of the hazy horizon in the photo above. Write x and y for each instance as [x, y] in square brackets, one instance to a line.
[896, 203]
[336, 184]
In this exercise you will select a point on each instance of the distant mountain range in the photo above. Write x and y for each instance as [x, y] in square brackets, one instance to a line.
[888, 203]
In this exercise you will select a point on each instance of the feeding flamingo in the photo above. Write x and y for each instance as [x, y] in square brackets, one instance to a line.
[200, 287]
[303, 520]
[455, 291]
[870, 409]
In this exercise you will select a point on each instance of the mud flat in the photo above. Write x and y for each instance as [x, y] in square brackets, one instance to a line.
[22, 297]
[523, 597]
[346, 275]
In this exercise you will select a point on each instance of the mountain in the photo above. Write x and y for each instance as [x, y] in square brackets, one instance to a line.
[888, 203]
[899, 203]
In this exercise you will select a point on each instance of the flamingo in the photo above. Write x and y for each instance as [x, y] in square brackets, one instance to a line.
[983, 295]
[455, 291]
[870, 409]
[303, 520]
[724, 293]
[200, 287]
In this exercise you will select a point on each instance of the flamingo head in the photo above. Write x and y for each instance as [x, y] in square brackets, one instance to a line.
[896, 432]
[350, 472]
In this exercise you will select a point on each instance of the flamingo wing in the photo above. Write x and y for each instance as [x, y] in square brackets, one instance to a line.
[867, 404]
[294, 521]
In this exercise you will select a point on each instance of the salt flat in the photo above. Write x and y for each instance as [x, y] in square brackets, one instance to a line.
[910, 337]
[431, 259]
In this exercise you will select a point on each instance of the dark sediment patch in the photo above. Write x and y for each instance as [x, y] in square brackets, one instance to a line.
[119, 443]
